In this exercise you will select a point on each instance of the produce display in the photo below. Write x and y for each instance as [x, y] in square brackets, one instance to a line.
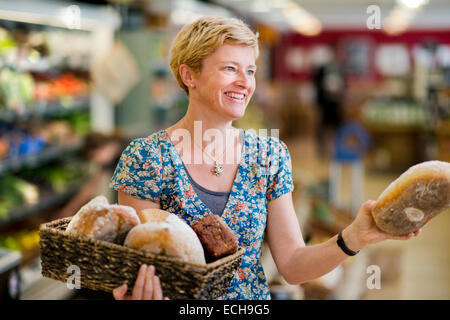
[16, 90]
[32, 138]
[15, 192]
[394, 112]
[33, 184]
[20, 240]
[17, 141]
[60, 87]
[35, 74]
[45, 91]
[56, 178]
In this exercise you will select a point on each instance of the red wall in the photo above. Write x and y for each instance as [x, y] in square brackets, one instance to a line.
[340, 37]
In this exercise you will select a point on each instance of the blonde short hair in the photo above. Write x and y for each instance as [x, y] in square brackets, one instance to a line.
[198, 40]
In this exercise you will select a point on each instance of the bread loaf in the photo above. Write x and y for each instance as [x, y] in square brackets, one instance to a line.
[217, 238]
[419, 194]
[164, 233]
[102, 221]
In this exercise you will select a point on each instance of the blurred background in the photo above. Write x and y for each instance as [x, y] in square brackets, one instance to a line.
[359, 90]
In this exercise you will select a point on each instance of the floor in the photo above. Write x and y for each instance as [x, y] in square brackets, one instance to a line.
[415, 269]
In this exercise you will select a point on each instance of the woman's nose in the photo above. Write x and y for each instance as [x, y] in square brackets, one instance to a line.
[243, 80]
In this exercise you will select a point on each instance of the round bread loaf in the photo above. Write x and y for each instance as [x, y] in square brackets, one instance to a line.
[164, 233]
[419, 194]
[102, 221]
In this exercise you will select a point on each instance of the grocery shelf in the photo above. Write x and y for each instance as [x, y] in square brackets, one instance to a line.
[49, 154]
[44, 204]
[47, 110]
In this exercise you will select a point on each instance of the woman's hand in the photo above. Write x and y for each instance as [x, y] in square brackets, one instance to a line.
[363, 230]
[146, 287]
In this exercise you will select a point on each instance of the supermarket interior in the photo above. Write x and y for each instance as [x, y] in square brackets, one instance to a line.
[359, 91]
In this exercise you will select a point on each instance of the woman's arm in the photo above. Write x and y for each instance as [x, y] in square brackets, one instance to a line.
[298, 263]
[138, 204]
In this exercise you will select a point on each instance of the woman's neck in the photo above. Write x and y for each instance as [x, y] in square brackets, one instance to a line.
[203, 129]
[198, 119]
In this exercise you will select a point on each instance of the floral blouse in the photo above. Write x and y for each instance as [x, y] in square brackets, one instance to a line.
[151, 169]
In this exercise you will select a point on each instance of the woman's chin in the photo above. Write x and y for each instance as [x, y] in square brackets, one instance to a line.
[236, 113]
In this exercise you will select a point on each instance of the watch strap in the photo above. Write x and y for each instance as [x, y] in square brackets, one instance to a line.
[343, 246]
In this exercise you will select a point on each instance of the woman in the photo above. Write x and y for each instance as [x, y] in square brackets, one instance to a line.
[213, 60]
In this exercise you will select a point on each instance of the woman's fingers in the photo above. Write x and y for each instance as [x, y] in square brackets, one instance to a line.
[157, 292]
[369, 205]
[408, 236]
[148, 286]
[119, 292]
[139, 284]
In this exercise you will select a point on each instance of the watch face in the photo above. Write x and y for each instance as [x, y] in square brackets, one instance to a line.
[13, 285]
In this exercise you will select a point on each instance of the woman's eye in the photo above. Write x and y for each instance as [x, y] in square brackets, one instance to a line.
[229, 68]
[251, 72]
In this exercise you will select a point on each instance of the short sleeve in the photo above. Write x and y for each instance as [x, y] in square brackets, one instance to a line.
[139, 171]
[280, 172]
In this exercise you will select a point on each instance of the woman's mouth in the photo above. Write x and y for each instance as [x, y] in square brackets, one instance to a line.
[235, 96]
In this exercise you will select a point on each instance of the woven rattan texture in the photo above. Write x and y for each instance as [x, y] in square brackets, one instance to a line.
[105, 266]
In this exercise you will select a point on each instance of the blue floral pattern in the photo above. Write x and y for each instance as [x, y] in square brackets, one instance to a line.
[151, 169]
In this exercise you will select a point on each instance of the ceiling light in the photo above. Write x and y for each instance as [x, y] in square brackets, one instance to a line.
[412, 4]
[301, 20]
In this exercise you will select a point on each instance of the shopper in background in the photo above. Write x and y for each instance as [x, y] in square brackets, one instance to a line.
[329, 84]
[213, 60]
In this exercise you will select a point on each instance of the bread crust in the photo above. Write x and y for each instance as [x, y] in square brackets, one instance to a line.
[418, 195]
[164, 233]
[102, 221]
[217, 238]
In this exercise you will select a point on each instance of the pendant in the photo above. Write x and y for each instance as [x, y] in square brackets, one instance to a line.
[217, 170]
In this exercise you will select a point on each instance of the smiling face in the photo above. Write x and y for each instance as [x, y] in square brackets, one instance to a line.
[226, 82]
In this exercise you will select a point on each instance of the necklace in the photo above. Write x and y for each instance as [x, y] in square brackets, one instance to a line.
[217, 170]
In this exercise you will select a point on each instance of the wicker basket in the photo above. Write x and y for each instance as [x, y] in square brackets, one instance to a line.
[105, 266]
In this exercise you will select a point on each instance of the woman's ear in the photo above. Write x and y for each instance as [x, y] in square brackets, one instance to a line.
[187, 75]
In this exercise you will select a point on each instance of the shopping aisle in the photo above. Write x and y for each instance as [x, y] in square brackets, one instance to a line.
[414, 269]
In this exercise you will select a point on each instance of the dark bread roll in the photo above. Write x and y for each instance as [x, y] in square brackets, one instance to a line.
[419, 194]
[217, 239]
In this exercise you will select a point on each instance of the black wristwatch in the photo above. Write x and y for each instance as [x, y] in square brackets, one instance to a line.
[343, 246]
